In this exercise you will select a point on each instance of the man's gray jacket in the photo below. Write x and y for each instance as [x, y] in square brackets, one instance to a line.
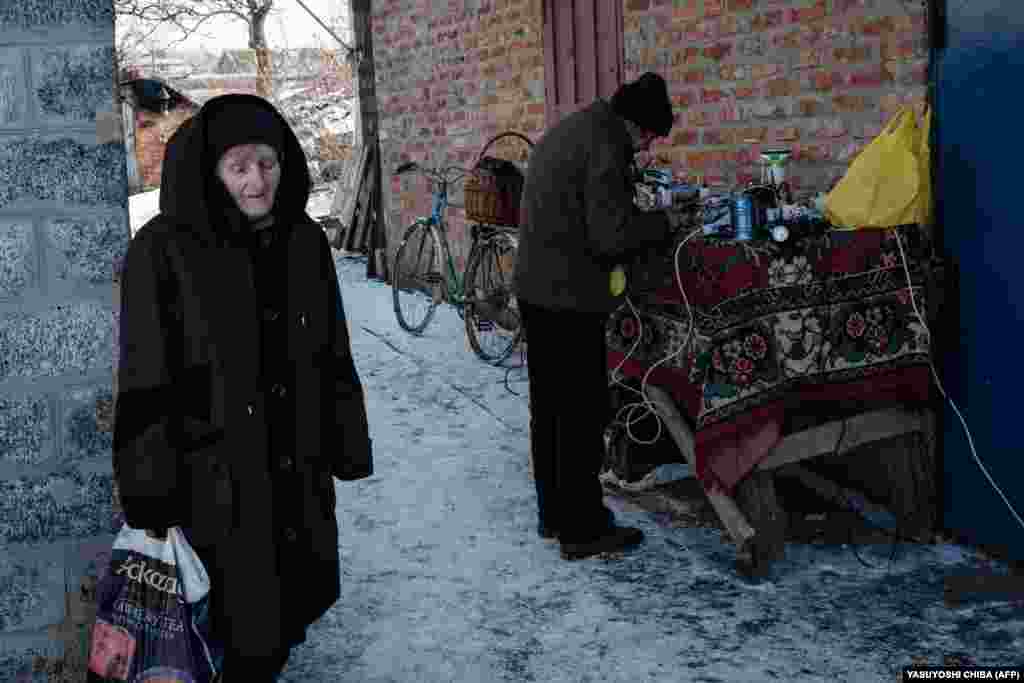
[578, 219]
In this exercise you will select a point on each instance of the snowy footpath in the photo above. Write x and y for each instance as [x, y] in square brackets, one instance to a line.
[444, 577]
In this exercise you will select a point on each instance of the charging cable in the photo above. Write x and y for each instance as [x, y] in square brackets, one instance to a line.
[938, 383]
[645, 403]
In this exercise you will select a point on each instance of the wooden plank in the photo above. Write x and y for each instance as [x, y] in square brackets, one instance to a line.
[756, 497]
[585, 32]
[733, 519]
[346, 192]
[359, 216]
[830, 438]
[366, 211]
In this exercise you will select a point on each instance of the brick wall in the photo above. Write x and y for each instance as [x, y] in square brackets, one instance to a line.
[152, 131]
[817, 76]
[450, 76]
[63, 227]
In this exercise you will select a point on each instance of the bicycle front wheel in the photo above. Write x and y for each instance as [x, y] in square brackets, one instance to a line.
[493, 322]
[417, 285]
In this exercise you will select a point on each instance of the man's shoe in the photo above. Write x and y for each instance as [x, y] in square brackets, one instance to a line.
[546, 532]
[617, 538]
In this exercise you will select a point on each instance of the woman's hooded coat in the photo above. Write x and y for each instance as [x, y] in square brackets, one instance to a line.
[238, 398]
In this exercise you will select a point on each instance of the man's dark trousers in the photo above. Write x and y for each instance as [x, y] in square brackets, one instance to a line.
[567, 364]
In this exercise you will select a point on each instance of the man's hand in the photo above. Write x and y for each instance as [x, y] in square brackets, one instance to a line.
[676, 220]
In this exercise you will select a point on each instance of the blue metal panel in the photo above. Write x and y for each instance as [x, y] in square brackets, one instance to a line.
[979, 75]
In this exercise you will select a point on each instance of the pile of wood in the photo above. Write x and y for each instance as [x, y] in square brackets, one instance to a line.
[356, 222]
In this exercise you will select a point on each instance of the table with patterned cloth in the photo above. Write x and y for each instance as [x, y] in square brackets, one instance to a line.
[826, 318]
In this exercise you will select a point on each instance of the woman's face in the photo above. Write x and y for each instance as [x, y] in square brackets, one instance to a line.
[251, 174]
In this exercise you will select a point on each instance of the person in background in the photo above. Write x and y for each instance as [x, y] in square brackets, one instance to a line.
[578, 221]
[238, 398]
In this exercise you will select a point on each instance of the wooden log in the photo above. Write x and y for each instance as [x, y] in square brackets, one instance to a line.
[756, 497]
[831, 438]
[366, 213]
[733, 519]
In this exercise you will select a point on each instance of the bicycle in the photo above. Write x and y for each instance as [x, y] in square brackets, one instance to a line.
[482, 295]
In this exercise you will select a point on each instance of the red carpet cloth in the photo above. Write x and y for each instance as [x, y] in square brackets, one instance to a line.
[825, 318]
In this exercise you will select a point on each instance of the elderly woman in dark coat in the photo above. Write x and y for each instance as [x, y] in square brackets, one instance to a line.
[238, 399]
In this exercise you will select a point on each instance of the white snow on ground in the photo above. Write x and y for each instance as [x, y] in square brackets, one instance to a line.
[445, 579]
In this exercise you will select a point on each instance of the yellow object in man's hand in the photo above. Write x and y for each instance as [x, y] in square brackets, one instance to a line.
[618, 281]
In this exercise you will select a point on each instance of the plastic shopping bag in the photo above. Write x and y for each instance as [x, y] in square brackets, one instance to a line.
[883, 185]
[925, 210]
[148, 625]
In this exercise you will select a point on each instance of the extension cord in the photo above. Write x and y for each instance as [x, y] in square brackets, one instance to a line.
[942, 390]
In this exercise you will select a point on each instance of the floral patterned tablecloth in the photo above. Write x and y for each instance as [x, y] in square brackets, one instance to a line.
[822, 318]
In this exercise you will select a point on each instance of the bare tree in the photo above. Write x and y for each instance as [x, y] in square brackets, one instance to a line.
[186, 17]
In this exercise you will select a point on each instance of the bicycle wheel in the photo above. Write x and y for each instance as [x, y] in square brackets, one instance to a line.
[417, 285]
[493, 322]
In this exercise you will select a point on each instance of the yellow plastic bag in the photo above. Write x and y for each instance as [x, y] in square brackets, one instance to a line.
[883, 185]
[924, 159]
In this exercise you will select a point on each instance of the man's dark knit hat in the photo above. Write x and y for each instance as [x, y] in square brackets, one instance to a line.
[645, 102]
[243, 122]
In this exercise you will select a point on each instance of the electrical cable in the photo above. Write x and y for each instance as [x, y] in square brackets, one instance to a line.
[938, 383]
[615, 379]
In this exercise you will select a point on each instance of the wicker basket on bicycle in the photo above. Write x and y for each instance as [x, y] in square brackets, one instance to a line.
[495, 187]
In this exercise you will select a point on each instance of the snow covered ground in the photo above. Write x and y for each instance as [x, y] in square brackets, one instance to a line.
[445, 579]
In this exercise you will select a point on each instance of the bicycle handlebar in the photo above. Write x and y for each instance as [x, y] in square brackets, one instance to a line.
[439, 174]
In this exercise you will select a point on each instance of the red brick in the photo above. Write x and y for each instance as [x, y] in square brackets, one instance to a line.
[786, 134]
[760, 72]
[751, 135]
[872, 26]
[729, 113]
[733, 72]
[812, 153]
[746, 93]
[699, 118]
[685, 137]
[741, 5]
[810, 57]
[803, 15]
[808, 107]
[685, 99]
[768, 20]
[852, 103]
[825, 80]
[733, 24]
[790, 40]
[782, 87]
[717, 52]
[687, 9]
[713, 8]
[718, 136]
[849, 55]
[870, 78]
[694, 76]
[698, 160]
[712, 96]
